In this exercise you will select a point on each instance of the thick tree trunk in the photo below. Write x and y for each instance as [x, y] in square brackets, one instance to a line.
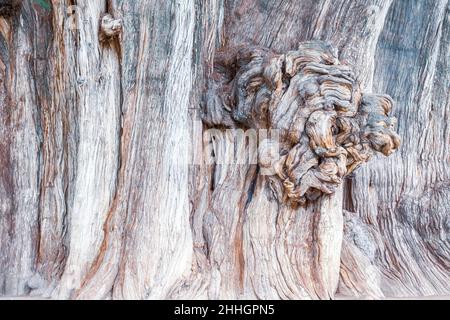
[106, 186]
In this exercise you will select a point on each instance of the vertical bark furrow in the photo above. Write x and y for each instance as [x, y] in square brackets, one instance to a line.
[21, 130]
[155, 246]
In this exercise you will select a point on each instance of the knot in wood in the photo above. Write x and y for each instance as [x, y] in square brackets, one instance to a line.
[9, 7]
[109, 28]
[327, 126]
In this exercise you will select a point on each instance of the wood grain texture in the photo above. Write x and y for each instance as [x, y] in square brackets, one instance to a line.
[153, 247]
[21, 58]
[106, 185]
[403, 201]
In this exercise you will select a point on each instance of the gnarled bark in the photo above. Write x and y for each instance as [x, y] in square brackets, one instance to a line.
[107, 188]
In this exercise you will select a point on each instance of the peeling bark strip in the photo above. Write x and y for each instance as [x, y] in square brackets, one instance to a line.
[328, 126]
[98, 198]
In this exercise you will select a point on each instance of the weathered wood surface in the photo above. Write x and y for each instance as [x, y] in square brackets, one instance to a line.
[101, 193]
[403, 202]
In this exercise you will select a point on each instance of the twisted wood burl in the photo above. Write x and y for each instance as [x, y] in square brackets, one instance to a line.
[327, 126]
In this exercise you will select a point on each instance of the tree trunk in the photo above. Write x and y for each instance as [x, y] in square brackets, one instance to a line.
[107, 189]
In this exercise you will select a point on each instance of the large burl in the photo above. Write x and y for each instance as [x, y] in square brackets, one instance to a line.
[327, 126]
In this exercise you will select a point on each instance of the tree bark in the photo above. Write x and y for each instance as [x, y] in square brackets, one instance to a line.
[106, 190]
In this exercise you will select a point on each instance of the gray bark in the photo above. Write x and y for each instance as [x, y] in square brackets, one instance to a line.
[103, 188]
